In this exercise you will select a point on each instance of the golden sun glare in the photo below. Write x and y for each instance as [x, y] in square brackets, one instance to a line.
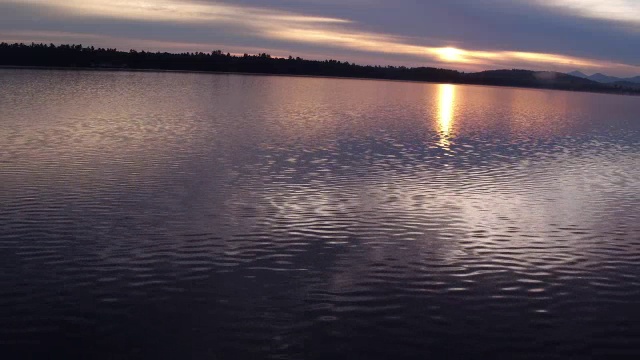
[451, 54]
[447, 98]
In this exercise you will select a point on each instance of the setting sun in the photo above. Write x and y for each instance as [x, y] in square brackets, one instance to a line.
[319, 179]
[451, 54]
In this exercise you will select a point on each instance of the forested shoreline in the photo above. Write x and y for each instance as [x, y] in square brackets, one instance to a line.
[78, 56]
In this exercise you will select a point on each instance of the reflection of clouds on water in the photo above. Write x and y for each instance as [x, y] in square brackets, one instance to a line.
[296, 204]
[514, 226]
[317, 112]
[83, 123]
[517, 204]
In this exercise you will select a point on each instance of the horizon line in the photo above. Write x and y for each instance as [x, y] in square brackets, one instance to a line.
[236, 54]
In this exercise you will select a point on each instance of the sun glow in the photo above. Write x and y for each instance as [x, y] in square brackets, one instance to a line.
[474, 59]
[451, 54]
[329, 32]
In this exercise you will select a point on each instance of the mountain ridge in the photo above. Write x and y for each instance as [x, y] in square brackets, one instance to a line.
[579, 74]
[605, 79]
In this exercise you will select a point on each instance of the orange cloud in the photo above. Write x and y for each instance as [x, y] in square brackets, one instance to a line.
[350, 39]
[324, 31]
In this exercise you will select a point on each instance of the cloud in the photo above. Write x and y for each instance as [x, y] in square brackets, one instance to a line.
[371, 42]
[173, 10]
[198, 23]
[626, 11]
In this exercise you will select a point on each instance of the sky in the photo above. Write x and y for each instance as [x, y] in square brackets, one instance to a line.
[468, 35]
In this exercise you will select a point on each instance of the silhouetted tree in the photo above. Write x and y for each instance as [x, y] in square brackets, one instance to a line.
[41, 55]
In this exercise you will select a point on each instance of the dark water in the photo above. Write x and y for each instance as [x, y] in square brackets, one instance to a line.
[147, 215]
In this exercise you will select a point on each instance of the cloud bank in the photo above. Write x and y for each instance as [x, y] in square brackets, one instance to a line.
[376, 31]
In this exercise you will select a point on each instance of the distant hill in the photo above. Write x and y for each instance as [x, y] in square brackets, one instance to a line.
[542, 79]
[605, 79]
[578, 74]
[602, 78]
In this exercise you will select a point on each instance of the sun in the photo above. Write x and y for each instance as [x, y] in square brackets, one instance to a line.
[451, 54]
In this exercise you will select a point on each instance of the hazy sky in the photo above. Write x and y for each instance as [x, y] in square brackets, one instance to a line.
[562, 35]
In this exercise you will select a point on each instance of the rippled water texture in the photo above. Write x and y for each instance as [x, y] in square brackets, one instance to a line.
[166, 215]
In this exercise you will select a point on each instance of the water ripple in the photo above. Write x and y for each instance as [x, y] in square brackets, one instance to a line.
[156, 215]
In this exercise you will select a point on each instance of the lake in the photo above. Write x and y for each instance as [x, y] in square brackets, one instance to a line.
[177, 215]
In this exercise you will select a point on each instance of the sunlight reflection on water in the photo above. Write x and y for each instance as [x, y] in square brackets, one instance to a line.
[447, 98]
[235, 216]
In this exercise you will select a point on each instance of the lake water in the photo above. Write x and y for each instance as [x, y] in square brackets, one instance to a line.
[170, 215]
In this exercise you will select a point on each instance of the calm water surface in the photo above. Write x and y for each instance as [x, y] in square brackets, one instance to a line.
[164, 215]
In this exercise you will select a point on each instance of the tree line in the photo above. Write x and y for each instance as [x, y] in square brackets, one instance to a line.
[78, 56]
[218, 61]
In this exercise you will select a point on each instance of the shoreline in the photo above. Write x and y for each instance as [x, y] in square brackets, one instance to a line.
[115, 69]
